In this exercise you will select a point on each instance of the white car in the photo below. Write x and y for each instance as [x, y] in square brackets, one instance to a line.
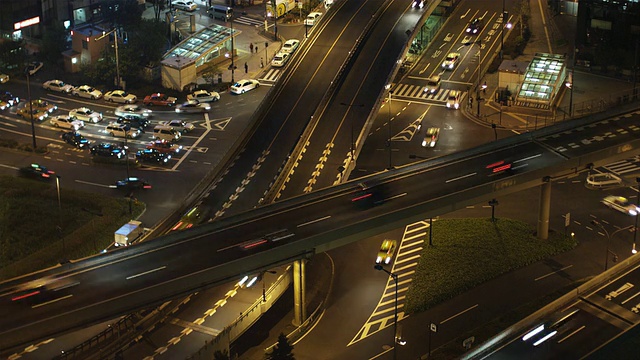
[204, 96]
[244, 85]
[280, 59]
[451, 61]
[453, 100]
[621, 204]
[85, 114]
[433, 85]
[193, 106]
[4, 78]
[311, 18]
[184, 5]
[417, 4]
[58, 86]
[120, 96]
[87, 91]
[33, 67]
[179, 125]
[134, 110]
[290, 46]
[122, 130]
[66, 122]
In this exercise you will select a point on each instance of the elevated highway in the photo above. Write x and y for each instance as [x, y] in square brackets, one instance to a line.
[180, 263]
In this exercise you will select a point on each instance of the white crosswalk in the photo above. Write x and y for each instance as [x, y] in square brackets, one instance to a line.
[623, 166]
[417, 91]
[271, 75]
[245, 20]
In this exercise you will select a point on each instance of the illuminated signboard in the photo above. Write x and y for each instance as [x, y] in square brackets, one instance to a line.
[26, 23]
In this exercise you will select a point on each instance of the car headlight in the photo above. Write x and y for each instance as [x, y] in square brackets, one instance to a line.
[378, 259]
[424, 143]
[451, 66]
[448, 105]
[177, 110]
[457, 106]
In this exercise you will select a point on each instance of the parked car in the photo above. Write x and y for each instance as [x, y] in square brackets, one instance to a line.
[87, 91]
[244, 85]
[193, 106]
[621, 204]
[120, 96]
[431, 137]
[108, 150]
[159, 99]
[4, 105]
[85, 114]
[433, 85]
[33, 67]
[35, 171]
[184, 5]
[38, 114]
[58, 86]
[204, 96]
[153, 156]
[122, 130]
[132, 110]
[9, 98]
[280, 59]
[387, 249]
[180, 125]
[165, 147]
[75, 139]
[451, 61]
[132, 183]
[43, 105]
[311, 19]
[66, 122]
[290, 46]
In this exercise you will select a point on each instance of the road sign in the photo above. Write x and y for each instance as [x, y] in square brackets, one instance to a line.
[434, 328]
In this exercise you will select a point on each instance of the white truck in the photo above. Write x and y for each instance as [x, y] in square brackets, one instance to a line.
[128, 233]
[281, 7]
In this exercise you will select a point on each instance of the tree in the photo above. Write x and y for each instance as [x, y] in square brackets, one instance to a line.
[54, 43]
[12, 55]
[282, 350]
[221, 355]
[125, 13]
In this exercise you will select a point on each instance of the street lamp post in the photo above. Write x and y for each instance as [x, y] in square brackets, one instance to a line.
[264, 290]
[635, 228]
[233, 67]
[275, 20]
[395, 308]
[353, 155]
[484, 86]
[388, 87]
[493, 203]
[609, 236]
[115, 41]
[33, 126]
[59, 227]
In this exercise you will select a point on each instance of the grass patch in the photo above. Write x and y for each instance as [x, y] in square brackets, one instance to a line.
[468, 252]
[33, 230]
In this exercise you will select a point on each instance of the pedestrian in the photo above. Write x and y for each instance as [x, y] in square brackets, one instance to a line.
[261, 63]
[246, 68]
[256, 48]
[251, 47]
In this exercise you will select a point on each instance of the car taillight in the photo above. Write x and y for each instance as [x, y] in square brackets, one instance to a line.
[24, 296]
[147, 187]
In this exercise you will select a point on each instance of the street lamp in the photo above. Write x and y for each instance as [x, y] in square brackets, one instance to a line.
[264, 291]
[353, 155]
[115, 41]
[395, 308]
[33, 126]
[275, 20]
[505, 24]
[484, 86]
[609, 236]
[59, 227]
[493, 203]
[635, 228]
[388, 88]
[233, 67]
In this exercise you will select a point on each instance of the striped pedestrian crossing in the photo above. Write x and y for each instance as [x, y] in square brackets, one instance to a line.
[623, 167]
[271, 75]
[245, 20]
[417, 91]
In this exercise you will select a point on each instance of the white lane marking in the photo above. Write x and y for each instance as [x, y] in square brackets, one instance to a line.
[460, 177]
[553, 272]
[9, 167]
[631, 298]
[52, 301]
[314, 221]
[145, 273]
[528, 158]
[573, 333]
[458, 314]
[95, 184]
[396, 196]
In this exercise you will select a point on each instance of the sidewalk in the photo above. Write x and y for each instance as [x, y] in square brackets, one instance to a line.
[554, 35]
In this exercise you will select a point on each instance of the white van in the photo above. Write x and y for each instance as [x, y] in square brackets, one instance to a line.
[220, 12]
[166, 133]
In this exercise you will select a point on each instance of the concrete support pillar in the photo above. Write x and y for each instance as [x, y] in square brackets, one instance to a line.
[299, 301]
[545, 206]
